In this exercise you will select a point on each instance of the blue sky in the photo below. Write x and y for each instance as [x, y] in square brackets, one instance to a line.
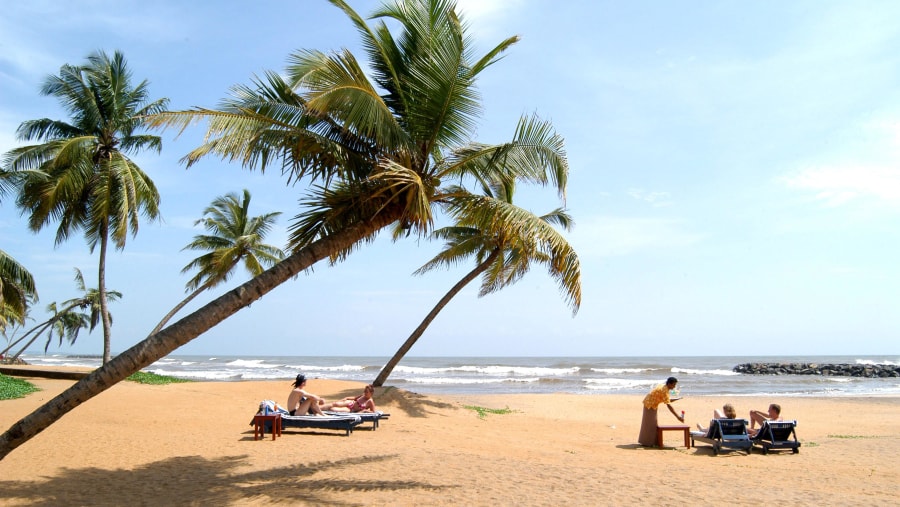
[735, 177]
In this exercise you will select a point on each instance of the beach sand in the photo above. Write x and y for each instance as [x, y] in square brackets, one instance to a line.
[191, 444]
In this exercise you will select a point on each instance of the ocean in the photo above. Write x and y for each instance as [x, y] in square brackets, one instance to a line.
[697, 375]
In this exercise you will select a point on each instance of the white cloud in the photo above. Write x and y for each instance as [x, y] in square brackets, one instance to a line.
[484, 9]
[615, 236]
[655, 199]
[489, 18]
[872, 175]
[838, 185]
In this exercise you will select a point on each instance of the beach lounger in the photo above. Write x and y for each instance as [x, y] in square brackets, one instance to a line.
[372, 417]
[777, 435]
[725, 433]
[345, 421]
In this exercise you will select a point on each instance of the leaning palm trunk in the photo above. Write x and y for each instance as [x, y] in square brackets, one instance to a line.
[181, 305]
[414, 337]
[164, 342]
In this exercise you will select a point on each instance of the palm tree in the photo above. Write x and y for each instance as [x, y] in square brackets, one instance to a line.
[234, 237]
[17, 291]
[67, 319]
[376, 158]
[81, 176]
[505, 240]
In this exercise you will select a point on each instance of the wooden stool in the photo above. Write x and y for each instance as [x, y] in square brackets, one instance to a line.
[674, 427]
[259, 425]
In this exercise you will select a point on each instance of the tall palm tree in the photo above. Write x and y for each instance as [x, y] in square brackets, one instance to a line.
[234, 237]
[67, 319]
[17, 291]
[81, 175]
[505, 240]
[377, 153]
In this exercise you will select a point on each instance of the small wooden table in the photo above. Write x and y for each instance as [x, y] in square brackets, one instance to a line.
[674, 427]
[259, 425]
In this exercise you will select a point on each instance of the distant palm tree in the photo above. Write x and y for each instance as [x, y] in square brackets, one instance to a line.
[17, 291]
[505, 240]
[81, 176]
[67, 319]
[376, 147]
[234, 237]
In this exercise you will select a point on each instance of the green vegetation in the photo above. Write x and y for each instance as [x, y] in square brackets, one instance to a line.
[484, 411]
[145, 377]
[12, 388]
[853, 436]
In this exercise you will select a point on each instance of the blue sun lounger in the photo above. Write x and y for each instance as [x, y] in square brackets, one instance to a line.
[725, 433]
[777, 435]
[372, 417]
[345, 421]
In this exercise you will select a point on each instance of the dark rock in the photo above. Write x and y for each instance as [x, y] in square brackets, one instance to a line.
[836, 370]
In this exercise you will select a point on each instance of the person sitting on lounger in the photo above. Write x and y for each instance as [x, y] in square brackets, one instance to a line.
[301, 402]
[727, 412]
[363, 403]
[758, 416]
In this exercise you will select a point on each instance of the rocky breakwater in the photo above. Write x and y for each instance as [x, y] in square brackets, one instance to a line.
[835, 370]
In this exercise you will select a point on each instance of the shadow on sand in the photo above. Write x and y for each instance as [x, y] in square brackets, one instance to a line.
[194, 480]
[413, 404]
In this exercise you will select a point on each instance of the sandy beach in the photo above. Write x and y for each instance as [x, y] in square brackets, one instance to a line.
[191, 444]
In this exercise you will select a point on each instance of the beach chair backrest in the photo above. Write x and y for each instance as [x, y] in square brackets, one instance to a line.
[733, 428]
[714, 430]
[781, 430]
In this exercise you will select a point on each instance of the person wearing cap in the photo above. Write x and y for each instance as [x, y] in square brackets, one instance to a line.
[301, 402]
[650, 422]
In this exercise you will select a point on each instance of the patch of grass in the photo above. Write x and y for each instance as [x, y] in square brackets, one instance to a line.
[145, 377]
[484, 411]
[810, 444]
[12, 388]
[851, 436]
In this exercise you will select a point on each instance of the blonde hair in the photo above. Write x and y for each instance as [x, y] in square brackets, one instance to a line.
[729, 411]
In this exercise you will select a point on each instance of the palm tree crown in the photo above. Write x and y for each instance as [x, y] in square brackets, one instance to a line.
[381, 147]
[234, 236]
[505, 240]
[17, 291]
[519, 238]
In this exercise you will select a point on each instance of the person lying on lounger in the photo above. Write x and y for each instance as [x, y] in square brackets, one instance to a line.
[758, 416]
[301, 402]
[727, 412]
[363, 403]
